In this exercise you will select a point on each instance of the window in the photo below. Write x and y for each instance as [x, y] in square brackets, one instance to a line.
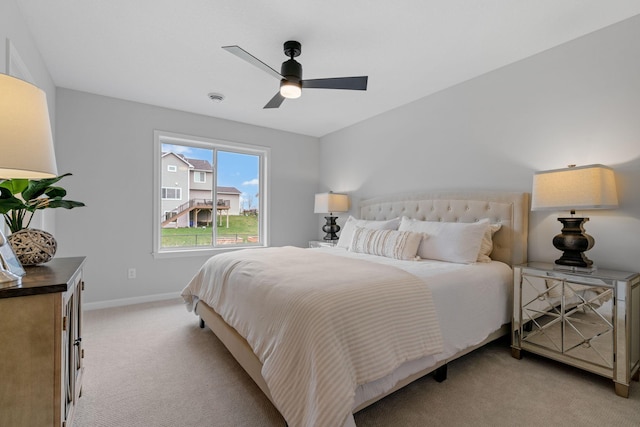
[228, 211]
[171, 193]
[199, 177]
[169, 214]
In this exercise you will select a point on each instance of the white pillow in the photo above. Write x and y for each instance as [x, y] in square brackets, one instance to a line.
[388, 243]
[448, 241]
[486, 247]
[350, 227]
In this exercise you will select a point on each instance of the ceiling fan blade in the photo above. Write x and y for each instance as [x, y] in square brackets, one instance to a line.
[350, 83]
[243, 54]
[275, 101]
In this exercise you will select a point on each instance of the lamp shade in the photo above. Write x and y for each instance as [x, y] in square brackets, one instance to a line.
[26, 143]
[574, 188]
[331, 202]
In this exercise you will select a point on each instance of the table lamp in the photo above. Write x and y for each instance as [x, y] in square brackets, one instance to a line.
[26, 143]
[574, 188]
[329, 203]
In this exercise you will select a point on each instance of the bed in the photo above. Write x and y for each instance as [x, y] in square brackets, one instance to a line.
[468, 312]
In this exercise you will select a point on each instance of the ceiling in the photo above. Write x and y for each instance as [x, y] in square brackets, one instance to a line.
[168, 52]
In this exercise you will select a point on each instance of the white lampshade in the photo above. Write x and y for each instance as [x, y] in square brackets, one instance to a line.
[574, 188]
[331, 202]
[26, 143]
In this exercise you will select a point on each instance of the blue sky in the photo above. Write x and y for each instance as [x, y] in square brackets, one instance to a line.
[234, 170]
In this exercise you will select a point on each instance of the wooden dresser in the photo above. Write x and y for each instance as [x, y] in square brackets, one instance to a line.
[41, 356]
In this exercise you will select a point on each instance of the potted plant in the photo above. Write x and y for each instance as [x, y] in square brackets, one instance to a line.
[21, 196]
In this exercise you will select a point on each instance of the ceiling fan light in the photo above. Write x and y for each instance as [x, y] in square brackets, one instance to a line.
[290, 89]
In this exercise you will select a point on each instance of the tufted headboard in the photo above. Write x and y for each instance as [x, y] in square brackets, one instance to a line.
[511, 209]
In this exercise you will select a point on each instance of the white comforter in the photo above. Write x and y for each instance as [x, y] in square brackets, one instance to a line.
[321, 325]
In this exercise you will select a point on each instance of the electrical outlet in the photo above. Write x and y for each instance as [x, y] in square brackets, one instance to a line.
[131, 273]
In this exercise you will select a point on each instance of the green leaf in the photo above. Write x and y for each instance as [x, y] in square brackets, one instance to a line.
[53, 192]
[8, 204]
[37, 188]
[5, 193]
[67, 204]
[16, 186]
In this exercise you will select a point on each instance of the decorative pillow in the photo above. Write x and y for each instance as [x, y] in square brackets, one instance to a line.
[486, 247]
[448, 241]
[350, 227]
[387, 243]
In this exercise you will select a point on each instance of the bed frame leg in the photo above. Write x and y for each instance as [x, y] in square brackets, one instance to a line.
[201, 323]
[440, 374]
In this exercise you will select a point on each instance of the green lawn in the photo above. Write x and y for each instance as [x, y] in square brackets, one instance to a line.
[240, 229]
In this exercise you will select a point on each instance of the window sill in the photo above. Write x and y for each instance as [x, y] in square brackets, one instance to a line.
[209, 252]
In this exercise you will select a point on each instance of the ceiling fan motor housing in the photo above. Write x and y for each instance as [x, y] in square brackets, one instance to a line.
[291, 70]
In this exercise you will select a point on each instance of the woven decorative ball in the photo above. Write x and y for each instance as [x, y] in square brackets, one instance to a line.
[33, 246]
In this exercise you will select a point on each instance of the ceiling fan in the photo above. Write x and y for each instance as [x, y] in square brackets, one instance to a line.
[290, 75]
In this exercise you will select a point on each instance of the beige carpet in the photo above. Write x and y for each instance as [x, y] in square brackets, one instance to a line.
[151, 365]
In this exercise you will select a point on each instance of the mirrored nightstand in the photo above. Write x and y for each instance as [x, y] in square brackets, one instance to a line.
[590, 320]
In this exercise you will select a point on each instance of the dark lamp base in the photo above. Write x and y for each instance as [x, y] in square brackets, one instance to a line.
[331, 228]
[573, 242]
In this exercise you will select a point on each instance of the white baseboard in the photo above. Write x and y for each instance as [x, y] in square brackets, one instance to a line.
[129, 301]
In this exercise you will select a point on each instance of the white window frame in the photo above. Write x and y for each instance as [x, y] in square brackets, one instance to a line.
[263, 153]
[179, 191]
[202, 174]
[172, 168]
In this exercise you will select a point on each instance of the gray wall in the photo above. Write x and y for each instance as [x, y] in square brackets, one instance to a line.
[13, 27]
[108, 146]
[578, 103]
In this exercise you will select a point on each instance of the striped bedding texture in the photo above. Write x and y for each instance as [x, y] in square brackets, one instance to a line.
[319, 323]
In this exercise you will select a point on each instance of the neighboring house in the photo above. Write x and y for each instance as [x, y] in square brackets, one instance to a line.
[187, 198]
